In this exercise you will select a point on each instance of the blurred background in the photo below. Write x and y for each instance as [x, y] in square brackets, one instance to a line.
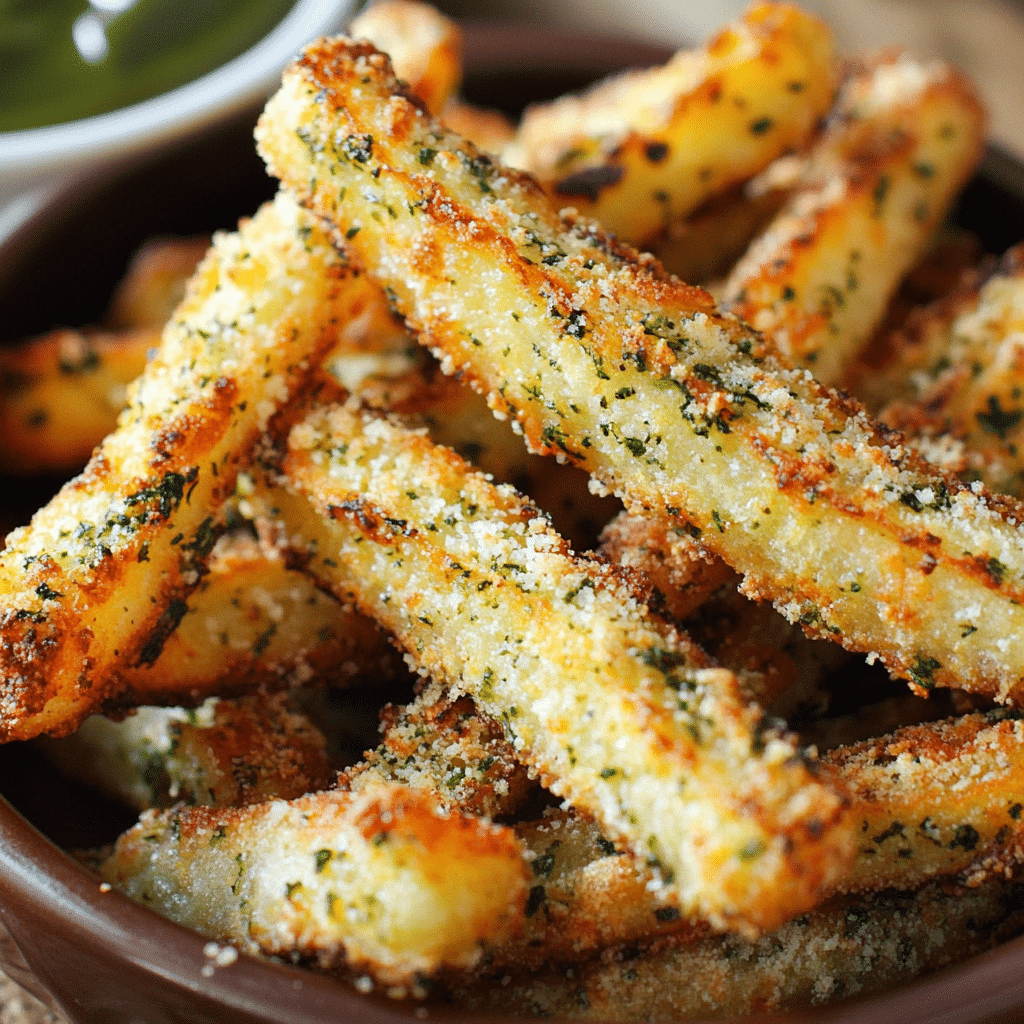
[983, 37]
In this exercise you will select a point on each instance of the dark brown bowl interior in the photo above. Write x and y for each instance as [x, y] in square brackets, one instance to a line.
[105, 960]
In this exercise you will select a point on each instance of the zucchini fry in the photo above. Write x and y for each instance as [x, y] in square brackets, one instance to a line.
[60, 395]
[964, 365]
[382, 880]
[645, 149]
[445, 746]
[155, 283]
[225, 753]
[936, 800]
[100, 577]
[255, 623]
[942, 798]
[624, 720]
[424, 46]
[610, 364]
[848, 946]
[903, 139]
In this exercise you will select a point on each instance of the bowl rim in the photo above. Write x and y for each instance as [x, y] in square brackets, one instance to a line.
[46, 888]
[199, 102]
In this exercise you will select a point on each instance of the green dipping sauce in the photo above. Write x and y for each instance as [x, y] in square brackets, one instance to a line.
[154, 46]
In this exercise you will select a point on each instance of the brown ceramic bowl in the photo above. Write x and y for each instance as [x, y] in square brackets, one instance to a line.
[105, 960]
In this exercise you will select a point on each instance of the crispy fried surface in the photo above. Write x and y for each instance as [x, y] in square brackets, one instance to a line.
[902, 140]
[424, 46]
[960, 366]
[680, 575]
[255, 623]
[60, 395]
[224, 753]
[642, 150]
[102, 574]
[381, 880]
[623, 721]
[447, 747]
[610, 364]
[942, 798]
[847, 947]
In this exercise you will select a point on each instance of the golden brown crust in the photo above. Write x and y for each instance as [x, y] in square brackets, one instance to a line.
[102, 574]
[942, 798]
[954, 376]
[849, 946]
[381, 881]
[608, 707]
[424, 46]
[60, 395]
[609, 363]
[446, 746]
[643, 150]
[902, 140]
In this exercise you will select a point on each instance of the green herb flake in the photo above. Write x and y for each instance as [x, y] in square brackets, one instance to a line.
[923, 671]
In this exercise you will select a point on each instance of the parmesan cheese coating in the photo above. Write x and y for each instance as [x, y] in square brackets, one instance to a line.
[847, 947]
[448, 748]
[223, 753]
[955, 377]
[614, 711]
[609, 363]
[943, 798]
[644, 149]
[101, 576]
[383, 880]
[901, 141]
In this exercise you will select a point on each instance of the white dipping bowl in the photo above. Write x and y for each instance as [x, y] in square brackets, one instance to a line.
[34, 161]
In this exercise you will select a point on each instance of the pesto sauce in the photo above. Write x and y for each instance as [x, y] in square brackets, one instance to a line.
[154, 46]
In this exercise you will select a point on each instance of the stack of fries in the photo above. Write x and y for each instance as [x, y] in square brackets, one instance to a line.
[590, 802]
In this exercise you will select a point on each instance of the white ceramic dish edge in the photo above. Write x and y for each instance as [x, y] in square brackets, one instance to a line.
[33, 161]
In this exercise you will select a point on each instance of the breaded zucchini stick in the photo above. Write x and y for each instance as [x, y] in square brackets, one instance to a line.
[615, 712]
[445, 746]
[902, 140]
[101, 576]
[155, 282]
[382, 880]
[224, 753]
[849, 946]
[612, 365]
[60, 395]
[255, 623]
[936, 800]
[642, 150]
[943, 798]
[424, 46]
[960, 367]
